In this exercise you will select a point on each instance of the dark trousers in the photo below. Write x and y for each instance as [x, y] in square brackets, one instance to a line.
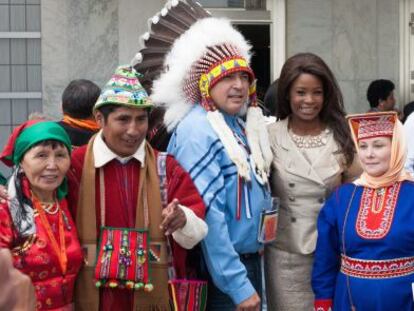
[219, 301]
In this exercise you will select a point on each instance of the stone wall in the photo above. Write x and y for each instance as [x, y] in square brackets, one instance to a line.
[358, 39]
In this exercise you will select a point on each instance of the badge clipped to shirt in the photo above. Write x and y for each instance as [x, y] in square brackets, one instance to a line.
[268, 223]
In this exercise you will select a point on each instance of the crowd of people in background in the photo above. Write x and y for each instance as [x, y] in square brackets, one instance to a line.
[287, 205]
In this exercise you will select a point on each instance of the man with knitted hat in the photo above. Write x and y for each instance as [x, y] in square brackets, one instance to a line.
[206, 85]
[115, 182]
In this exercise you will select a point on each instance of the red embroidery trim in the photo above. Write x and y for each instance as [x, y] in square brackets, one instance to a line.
[376, 212]
[377, 269]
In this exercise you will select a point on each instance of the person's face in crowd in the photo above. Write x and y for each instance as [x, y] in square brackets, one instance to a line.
[231, 92]
[124, 130]
[374, 154]
[387, 104]
[306, 97]
[45, 167]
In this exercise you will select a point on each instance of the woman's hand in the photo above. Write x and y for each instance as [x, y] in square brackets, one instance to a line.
[16, 289]
[4, 195]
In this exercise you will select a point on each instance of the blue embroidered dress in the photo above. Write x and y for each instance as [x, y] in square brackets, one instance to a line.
[378, 260]
[195, 145]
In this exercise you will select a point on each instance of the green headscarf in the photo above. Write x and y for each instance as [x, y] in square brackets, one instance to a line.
[34, 134]
[41, 131]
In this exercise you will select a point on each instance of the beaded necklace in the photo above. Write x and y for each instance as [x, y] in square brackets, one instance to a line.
[50, 208]
[309, 141]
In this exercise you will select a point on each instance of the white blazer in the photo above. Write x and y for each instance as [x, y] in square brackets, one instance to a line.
[303, 187]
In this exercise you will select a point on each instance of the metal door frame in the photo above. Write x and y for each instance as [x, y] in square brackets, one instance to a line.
[406, 91]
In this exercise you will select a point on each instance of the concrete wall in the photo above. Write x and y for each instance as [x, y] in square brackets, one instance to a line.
[79, 40]
[88, 38]
[358, 39]
[133, 19]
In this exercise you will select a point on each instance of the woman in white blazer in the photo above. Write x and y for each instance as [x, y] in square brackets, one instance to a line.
[313, 153]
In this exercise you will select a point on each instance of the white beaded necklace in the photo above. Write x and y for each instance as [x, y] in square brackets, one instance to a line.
[48, 207]
[309, 141]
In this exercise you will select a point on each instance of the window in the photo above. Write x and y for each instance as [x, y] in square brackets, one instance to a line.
[20, 64]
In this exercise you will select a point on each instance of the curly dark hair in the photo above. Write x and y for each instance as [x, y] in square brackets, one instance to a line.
[332, 113]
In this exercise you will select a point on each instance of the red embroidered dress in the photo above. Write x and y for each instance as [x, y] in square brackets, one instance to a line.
[37, 257]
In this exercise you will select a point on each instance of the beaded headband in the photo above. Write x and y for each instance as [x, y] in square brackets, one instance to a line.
[217, 62]
[218, 72]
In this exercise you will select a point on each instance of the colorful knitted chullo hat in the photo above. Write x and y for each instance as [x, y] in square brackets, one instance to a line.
[124, 89]
[203, 54]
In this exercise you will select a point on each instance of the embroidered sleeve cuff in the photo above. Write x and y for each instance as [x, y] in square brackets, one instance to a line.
[323, 305]
[193, 232]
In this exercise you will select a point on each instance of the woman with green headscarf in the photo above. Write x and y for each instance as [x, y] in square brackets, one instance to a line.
[35, 224]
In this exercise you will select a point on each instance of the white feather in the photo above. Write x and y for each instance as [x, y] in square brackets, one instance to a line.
[144, 38]
[164, 11]
[258, 141]
[136, 59]
[155, 19]
[174, 114]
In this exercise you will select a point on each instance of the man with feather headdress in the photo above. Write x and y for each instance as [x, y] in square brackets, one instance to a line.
[205, 85]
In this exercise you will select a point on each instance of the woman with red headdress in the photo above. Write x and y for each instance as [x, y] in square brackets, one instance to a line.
[364, 256]
[35, 224]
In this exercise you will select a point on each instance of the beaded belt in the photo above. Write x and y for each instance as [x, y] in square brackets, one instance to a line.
[377, 269]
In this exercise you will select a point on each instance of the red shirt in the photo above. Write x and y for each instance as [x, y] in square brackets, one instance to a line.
[121, 187]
